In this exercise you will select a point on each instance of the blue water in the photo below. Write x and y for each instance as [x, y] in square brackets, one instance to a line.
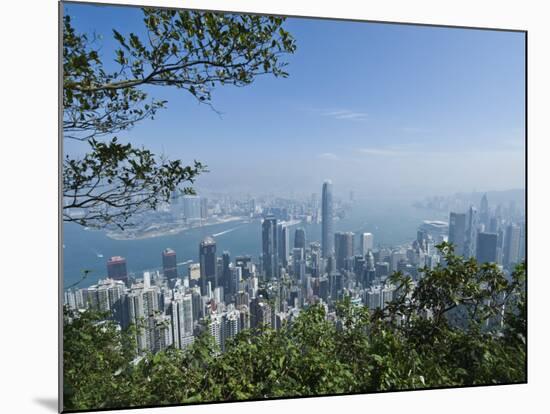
[391, 222]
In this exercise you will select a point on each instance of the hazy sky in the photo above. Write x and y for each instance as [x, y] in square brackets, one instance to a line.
[378, 108]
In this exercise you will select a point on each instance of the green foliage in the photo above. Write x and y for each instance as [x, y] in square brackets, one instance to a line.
[114, 181]
[414, 342]
[191, 51]
[95, 354]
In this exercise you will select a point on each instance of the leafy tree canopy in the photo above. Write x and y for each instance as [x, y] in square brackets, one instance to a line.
[415, 342]
[191, 51]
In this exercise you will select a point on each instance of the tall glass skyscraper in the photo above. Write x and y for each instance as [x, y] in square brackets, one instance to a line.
[484, 212]
[457, 232]
[207, 255]
[343, 248]
[512, 245]
[226, 274]
[169, 264]
[283, 243]
[327, 235]
[471, 233]
[270, 247]
[486, 248]
[116, 268]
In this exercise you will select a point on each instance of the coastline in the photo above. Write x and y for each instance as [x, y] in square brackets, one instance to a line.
[176, 229]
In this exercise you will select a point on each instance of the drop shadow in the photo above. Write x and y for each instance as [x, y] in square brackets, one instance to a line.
[49, 403]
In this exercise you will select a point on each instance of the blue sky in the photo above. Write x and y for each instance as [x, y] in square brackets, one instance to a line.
[379, 108]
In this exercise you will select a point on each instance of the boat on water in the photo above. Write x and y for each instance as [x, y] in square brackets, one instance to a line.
[225, 231]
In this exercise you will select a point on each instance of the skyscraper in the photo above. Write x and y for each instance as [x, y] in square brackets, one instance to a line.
[142, 306]
[116, 268]
[226, 274]
[260, 313]
[457, 232]
[245, 263]
[230, 325]
[169, 264]
[382, 269]
[194, 274]
[512, 245]
[367, 243]
[207, 255]
[486, 251]
[327, 232]
[396, 257]
[370, 269]
[191, 206]
[359, 265]
[215, 328]
[298, 264]
[159, 333]
[471, 233]
[269, 247]
[109, 296]
[343, 246]
[181, 314]
[493, 225]
[236, 277]
[283, 245]
[315, 259]
[484, 211]
[204, 208]
[300, 238]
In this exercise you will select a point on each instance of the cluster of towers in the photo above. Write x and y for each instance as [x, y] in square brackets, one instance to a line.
[224, 296]
[490, 236]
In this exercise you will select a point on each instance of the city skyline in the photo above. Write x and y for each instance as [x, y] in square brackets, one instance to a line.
[228, 296]
[472, 234]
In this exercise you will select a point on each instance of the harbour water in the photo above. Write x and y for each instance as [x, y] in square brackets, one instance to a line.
[392, 222]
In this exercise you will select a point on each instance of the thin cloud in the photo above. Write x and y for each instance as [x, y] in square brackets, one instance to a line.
[343, 114]
[328, 156]
[348, 115]
[389, 152]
